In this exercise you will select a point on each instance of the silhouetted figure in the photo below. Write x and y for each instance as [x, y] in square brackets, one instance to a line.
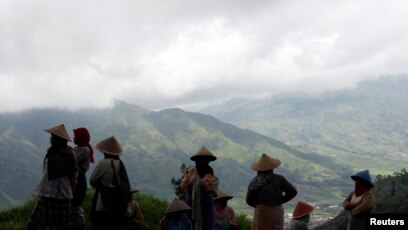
[201, 184]
[267, 192]
[176, 216]
[112, 195]
[224, 218]
[84, 155]
[360, 202]
[55, 191]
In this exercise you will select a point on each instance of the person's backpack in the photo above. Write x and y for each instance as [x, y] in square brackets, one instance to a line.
[116, 198]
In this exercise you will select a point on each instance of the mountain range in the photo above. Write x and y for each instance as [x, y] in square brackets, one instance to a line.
[155, 145]
[365, 127]
[321, 140]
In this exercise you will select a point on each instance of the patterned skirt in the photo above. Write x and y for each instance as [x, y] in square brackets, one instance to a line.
[52, 213]
[268, 217]
[78, 216]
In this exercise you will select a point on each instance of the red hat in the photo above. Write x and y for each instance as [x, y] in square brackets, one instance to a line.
[302, 209]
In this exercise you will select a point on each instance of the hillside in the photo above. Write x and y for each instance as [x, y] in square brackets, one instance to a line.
[391, 196]
[155, 145]
[363, 127]
[152, 208]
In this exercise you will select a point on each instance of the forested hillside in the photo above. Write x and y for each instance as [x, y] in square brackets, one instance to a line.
[391, 196]
[155, 145]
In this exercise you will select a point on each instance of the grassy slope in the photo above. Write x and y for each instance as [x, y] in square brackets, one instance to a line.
[152, 208]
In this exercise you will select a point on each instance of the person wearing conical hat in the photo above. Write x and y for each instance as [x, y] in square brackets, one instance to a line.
[84, 154]
[55, 190]
[300, 216]
[109, 209]
[176, 216]
[224, 217]
[267, 192]
[359, 202]
[200, 185]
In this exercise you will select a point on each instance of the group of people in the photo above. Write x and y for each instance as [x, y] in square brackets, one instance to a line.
[63, 187]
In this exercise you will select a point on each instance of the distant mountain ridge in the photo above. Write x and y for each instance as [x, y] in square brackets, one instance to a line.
[364, 127]
[155, 145]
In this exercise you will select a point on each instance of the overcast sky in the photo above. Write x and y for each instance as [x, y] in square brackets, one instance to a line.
[175, 53]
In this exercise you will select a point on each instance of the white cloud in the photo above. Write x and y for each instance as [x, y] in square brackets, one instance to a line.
[176, 53]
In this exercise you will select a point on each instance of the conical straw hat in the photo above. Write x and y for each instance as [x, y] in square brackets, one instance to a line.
[222, 196]
[205, 153]
[60, 131]
[177, 205]
[365, 176]
[302, 209]
[110, 146]
[265, 163]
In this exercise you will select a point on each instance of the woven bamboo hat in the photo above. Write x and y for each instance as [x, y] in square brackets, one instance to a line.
[302, 209]
[177, 205]
[265, 163]
[59, 131]
[203, 152]
[110, 146]
[222, 196]
[133, 190]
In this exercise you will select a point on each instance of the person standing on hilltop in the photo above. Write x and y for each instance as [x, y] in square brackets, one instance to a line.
[267, 192]
[112, 195]
[55, 191]
[201, 184]
[84, 154]
[359, 202]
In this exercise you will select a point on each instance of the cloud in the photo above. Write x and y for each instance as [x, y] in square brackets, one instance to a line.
[162, 54]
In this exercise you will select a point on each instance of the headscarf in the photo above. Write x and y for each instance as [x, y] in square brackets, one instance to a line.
[82, 138]
[261, 179]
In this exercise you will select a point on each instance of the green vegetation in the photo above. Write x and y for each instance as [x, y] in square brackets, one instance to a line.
[153, 210]
[390, 191]
[391, 196]
[243, 223]
[155, 145]
[16, 218]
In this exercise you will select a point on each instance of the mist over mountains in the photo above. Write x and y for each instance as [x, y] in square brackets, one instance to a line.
[321, 140]
[364, 127]
[155, 145]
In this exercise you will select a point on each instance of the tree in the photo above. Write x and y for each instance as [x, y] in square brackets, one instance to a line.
[177, 183]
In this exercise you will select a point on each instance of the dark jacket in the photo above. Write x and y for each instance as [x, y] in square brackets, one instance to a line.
[274, 189]
[61, 162]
